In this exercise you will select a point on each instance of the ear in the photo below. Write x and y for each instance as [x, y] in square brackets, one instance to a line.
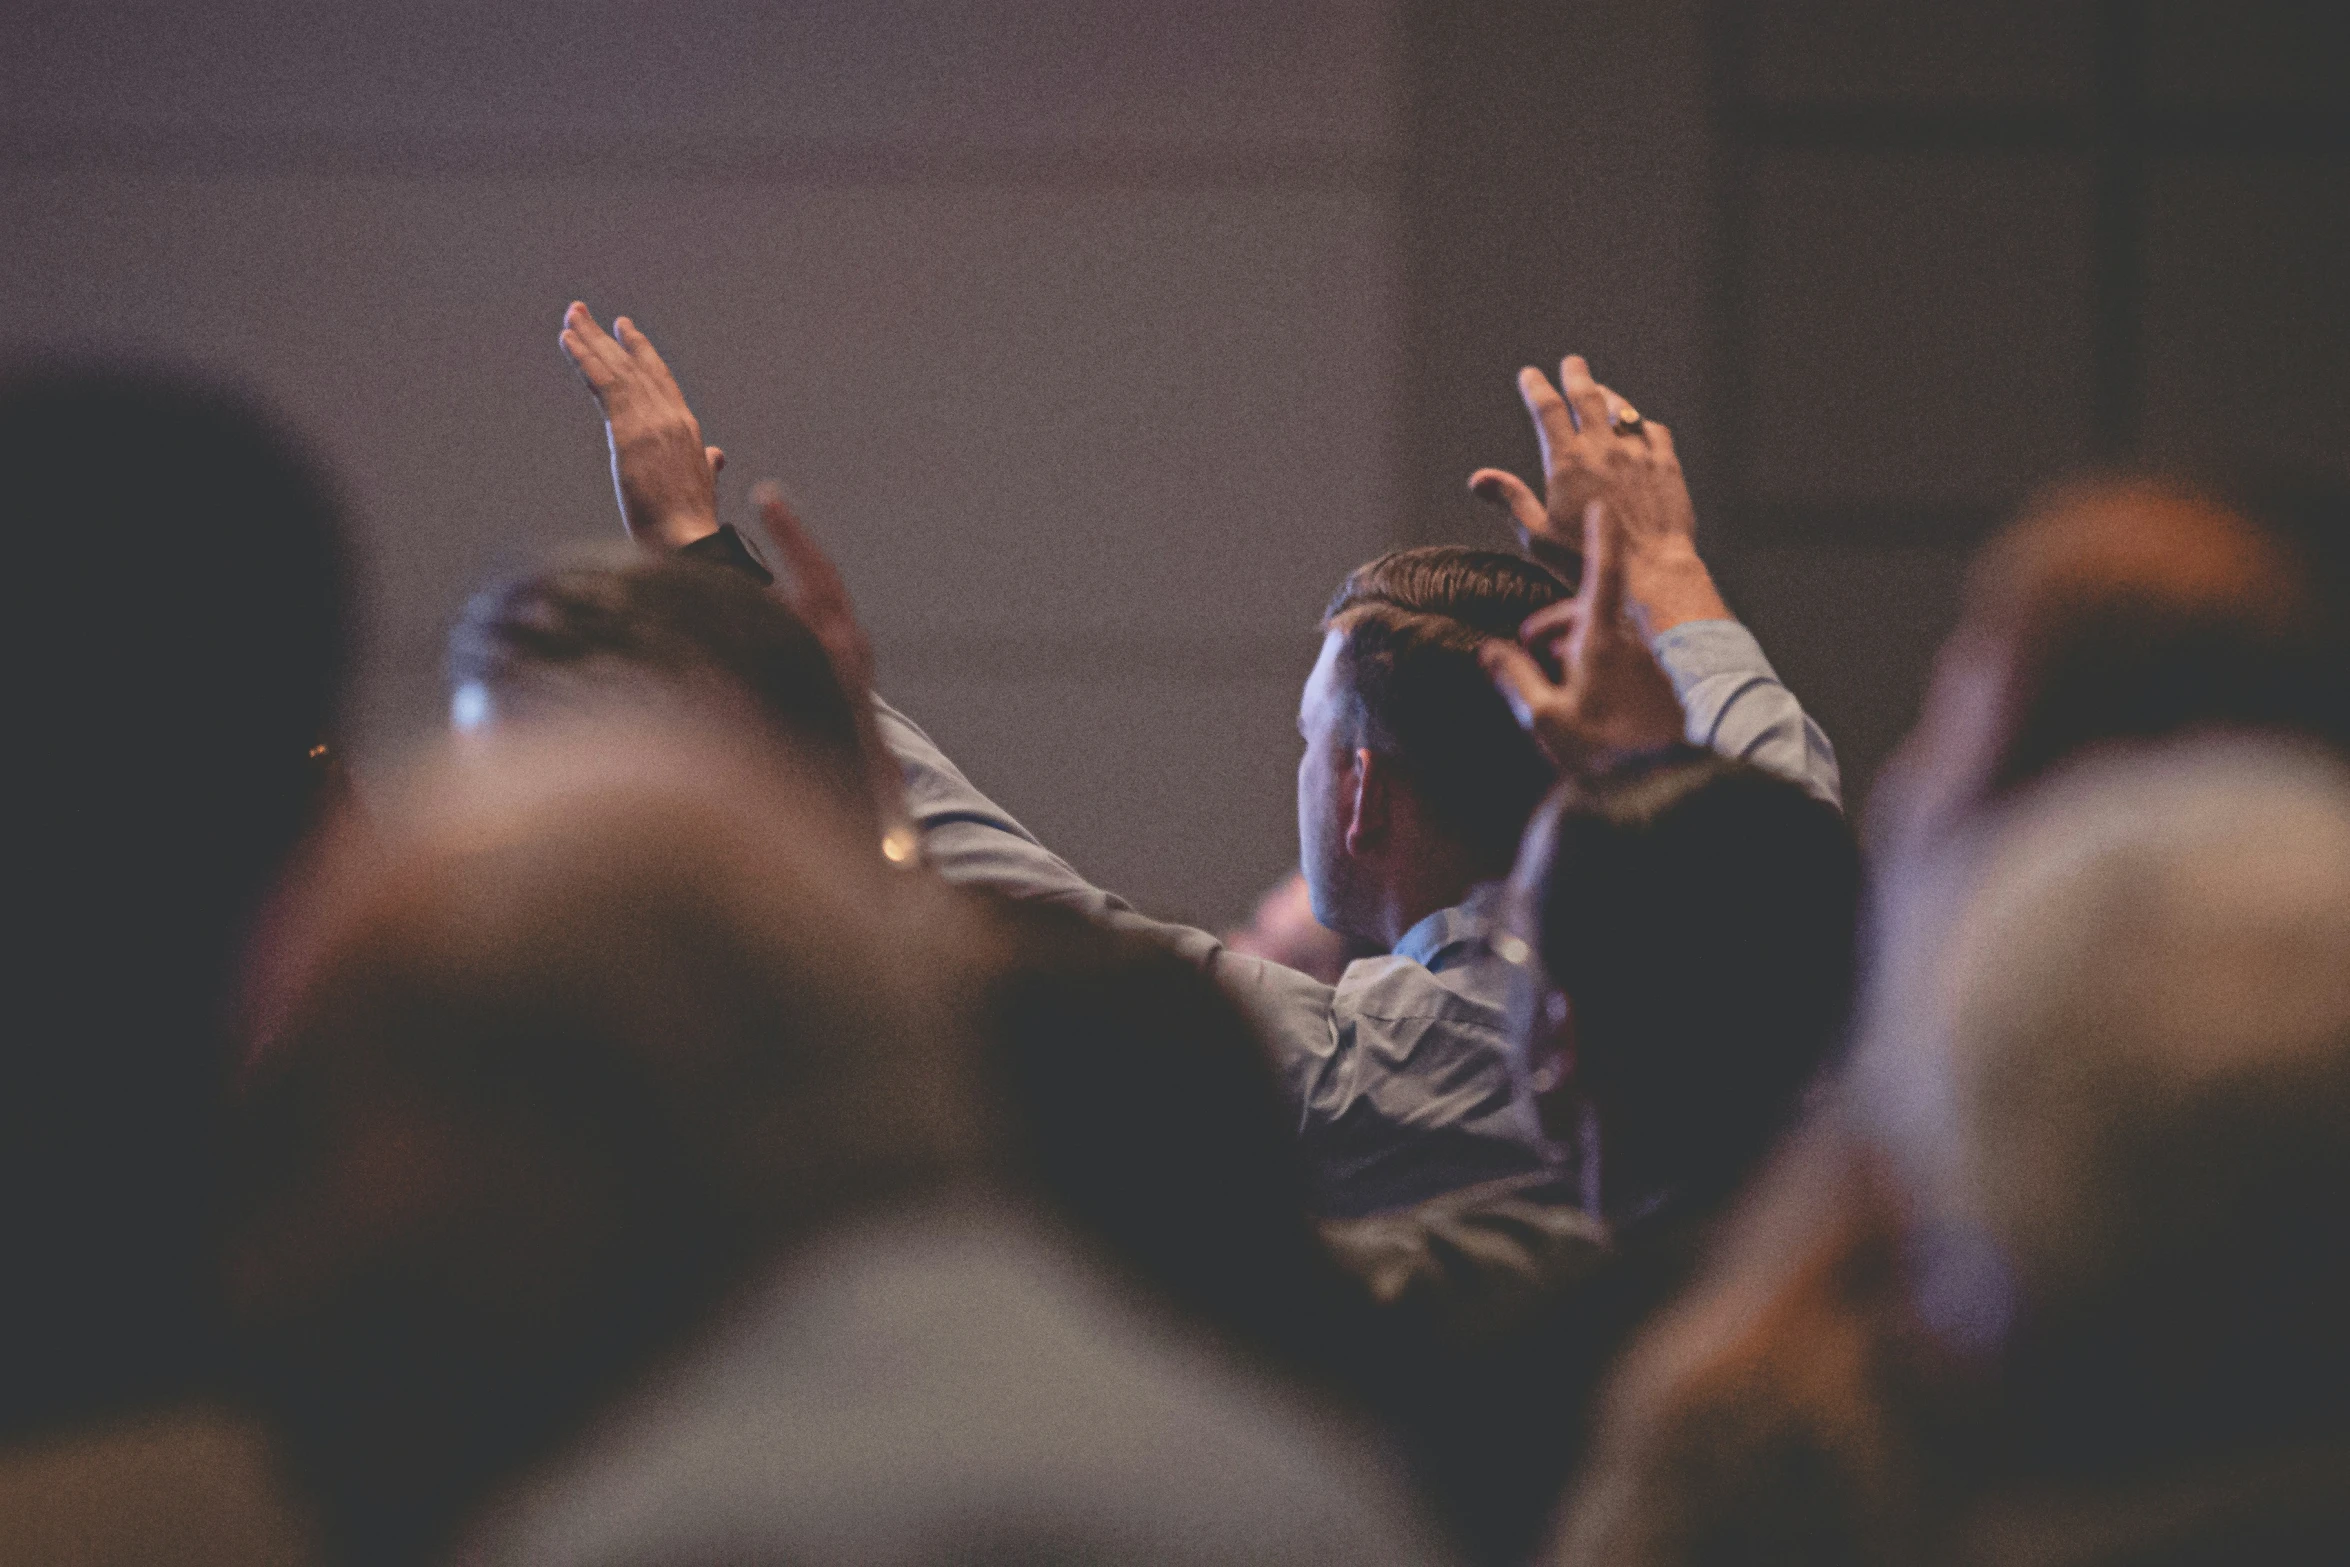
[1370, 803]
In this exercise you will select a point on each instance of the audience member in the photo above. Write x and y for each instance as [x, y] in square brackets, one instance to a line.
[1514, 1302]
[2111, 610]
[1799, 1398]
[618, 1190]
[2065, 1286]
[181, 631]
[1413, 788]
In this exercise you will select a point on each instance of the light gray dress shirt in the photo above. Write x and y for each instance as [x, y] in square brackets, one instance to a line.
[1399, 1075]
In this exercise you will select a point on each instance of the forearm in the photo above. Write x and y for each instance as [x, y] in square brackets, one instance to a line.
[1672, 587]
[1737, 706]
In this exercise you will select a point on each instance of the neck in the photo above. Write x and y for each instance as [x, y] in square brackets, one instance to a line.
[1404, 904]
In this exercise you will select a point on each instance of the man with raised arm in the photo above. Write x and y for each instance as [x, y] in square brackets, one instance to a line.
[1417, 776]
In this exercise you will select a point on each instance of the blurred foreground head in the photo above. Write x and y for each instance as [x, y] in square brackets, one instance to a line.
[2123, 1107]
[598, 1021]
[2064, 1277]
[2115, 610]
[1627, 887]
[178, 634]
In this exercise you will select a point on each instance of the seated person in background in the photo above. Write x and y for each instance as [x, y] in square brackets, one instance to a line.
[2067, 1284]
[1686, 925]
[1412, 791]
[180, 628]
[620, 1186]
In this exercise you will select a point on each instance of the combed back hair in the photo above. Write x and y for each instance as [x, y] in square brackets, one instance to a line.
[1700, 918]
[559, 640]
[1413, 621]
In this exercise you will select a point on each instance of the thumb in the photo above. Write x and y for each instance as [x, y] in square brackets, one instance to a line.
[1517, 677]
[716, 458]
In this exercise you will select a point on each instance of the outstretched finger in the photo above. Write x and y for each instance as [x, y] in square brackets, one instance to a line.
[1583, 394]
[1497, 487]
[642, 352]
[591, 353]
[816, 591]
[1551, 622]
[1517, 677]
[1554, 421]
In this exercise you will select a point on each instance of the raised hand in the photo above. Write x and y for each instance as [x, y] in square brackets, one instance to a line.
[666, 479]
[1595, 448]
[1611, 699]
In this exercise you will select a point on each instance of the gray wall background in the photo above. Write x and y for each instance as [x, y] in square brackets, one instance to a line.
[1101, 339]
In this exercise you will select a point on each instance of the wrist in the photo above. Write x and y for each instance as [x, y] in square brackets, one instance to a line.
[677, 529]
[1672, 587]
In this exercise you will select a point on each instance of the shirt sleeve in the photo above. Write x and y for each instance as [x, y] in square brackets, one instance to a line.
[970, 840]
[1737, 706]
[1398, 1079]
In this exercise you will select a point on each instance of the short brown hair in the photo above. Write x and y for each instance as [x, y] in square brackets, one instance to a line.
[1413, 621]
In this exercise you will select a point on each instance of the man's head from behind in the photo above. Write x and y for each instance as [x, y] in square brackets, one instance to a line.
[1416, 781]
[623, 629]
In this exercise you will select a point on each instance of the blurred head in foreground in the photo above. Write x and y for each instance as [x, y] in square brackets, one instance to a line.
[1627, 888]
[179, 628]
[2067, 1269]
[602, 1018]
[2124, 1110]
[1144, 1110]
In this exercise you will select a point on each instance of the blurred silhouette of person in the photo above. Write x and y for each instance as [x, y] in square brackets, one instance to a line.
[180, 633]
[1412, 790]
[1794, 1395]
[622, 1184]
[2115, 609]
[1143, 1109]
[2063, 1282]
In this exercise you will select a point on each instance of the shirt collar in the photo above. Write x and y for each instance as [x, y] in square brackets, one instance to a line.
[1448, 935]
